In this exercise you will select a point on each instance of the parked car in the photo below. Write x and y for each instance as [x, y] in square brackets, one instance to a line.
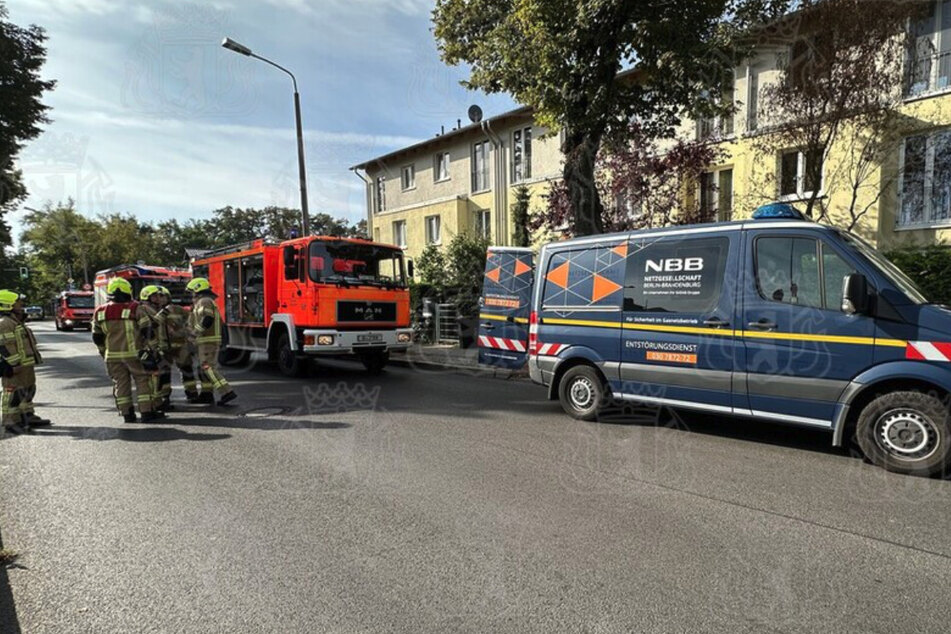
[34, 313]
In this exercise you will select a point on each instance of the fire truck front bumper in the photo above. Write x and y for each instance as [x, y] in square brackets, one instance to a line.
[353, 342]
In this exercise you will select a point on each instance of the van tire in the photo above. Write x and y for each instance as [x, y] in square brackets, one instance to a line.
[906, 432]
[582, 392]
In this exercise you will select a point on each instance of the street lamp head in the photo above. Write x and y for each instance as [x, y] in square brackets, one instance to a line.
[237, 47]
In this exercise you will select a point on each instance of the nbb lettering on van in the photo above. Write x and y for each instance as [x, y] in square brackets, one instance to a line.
[779, 319]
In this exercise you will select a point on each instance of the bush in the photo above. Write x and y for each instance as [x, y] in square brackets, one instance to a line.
[465, 257]
[929, 267]
[431, 267]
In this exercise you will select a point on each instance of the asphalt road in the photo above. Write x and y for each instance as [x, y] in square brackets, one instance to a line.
[423, 501]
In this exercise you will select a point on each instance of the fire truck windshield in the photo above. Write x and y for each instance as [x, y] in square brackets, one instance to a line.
[80, 301]
[352, 264]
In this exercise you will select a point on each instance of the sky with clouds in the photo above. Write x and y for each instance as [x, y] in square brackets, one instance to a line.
[152, 117]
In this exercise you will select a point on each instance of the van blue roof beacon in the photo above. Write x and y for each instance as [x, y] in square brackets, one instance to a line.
[778, 210]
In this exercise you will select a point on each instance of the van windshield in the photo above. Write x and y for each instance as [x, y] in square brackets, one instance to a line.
[80, 301]
[349, 263]
[894, 274]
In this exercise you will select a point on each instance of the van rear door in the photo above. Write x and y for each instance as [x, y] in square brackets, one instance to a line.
[506, 302]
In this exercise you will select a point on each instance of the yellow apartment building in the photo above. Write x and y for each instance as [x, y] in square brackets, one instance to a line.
[465, 180]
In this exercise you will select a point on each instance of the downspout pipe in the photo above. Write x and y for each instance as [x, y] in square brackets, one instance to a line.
[499, 183]
[368, 196]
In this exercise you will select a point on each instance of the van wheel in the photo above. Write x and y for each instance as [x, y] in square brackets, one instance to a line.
[582, 392]
[906, 432]
[287, 360]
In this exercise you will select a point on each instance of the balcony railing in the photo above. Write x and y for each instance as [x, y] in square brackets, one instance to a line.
[928, 74]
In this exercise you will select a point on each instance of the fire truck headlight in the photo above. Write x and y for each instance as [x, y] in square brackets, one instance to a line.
[403, 337]
[325, 340]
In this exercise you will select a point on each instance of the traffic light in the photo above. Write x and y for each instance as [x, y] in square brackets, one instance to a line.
[24, 273]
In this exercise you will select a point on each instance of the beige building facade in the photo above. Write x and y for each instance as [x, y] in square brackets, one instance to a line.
[463, 181]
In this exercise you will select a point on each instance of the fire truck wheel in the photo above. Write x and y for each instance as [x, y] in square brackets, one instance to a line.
[288, 362]
[375, 362]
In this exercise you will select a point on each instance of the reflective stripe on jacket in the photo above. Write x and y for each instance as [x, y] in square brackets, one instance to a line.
[18, 342]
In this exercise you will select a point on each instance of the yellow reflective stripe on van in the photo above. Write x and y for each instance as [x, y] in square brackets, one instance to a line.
[517, 320]
[753, 334]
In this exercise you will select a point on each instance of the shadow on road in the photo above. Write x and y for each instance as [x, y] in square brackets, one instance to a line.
[9, 624]
[128, 434]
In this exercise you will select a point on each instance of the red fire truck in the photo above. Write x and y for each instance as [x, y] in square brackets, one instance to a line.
[73, 309]
[311, 296]
[142, 275]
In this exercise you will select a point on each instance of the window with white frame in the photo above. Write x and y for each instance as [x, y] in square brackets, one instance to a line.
[480, 166]
[408, 177]
[483, 228]
[441, 167]
[752, 97]
[925, 188]
[720, 125]
[716, 195]
[928, 65]
[380, 193]
[399, 233]
[432, 229]
[797, 174]
[521, 155]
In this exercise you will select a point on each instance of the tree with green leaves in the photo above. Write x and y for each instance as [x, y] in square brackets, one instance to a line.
[521, 234]
[563, 58]
[22, 113]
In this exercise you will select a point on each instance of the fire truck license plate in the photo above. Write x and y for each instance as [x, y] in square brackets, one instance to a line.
[369, 338]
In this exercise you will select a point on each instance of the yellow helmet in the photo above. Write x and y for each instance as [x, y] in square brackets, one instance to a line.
[7, 300]
[120, 285]
[198, 285]
[164, 291]
[148, 291]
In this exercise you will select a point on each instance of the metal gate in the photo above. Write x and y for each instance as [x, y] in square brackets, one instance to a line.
[447, 324]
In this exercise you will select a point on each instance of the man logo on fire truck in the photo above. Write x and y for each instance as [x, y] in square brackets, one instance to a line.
[308, 297]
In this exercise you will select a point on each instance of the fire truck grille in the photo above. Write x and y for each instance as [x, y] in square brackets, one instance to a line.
[360, 312]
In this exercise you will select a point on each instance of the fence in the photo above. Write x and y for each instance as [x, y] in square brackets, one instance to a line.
[447, 324]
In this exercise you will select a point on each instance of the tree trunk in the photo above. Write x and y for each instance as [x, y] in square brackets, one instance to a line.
[581, 151]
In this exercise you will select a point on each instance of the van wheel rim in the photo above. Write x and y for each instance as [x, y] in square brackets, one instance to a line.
[581, 393]
[907, 434]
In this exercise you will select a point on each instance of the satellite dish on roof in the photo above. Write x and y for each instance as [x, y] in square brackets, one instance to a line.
[475, 113]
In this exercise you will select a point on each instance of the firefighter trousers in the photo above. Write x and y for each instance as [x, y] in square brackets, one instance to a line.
[180, 357]
[211, 378]
[18, 393]
[124, 373]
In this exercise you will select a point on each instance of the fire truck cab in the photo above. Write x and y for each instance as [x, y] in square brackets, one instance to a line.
[142, 275]
[313, 296]
[74, 310]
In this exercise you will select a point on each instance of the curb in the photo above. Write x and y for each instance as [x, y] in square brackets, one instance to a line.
[469, 370]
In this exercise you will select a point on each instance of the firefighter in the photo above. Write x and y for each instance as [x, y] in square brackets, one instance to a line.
[18, 357]
[151, 304]
[172, 324]
[121, 330]
[204, 329]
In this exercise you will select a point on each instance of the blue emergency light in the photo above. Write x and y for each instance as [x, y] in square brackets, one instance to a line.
[778, 210]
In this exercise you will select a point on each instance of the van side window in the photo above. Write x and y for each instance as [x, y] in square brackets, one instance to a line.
[675, 276]
[790, 271]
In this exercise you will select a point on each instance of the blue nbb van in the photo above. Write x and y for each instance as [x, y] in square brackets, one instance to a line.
[780, 319]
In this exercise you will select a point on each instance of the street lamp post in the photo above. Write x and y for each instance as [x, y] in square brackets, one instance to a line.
[231, 45]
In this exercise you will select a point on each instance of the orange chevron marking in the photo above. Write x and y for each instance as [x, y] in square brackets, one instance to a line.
[603, 287]
[521, 267]
[494, 274]
[559, 276]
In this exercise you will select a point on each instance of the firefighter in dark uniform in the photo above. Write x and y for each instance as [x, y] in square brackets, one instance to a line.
[121, 330]
[204, 329]
[18, 358]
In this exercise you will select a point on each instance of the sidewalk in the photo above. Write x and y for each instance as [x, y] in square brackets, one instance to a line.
[448, 357]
